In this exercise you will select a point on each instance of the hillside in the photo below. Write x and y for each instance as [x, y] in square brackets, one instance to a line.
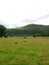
[31, 29]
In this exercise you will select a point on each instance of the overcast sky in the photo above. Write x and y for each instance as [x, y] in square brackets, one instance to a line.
[15, 13]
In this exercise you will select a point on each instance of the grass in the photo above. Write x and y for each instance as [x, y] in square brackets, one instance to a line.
[34, 51]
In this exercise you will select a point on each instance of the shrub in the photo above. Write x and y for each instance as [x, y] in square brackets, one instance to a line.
[5, 36]
[24, 41]
[34, 36]
[15, 42]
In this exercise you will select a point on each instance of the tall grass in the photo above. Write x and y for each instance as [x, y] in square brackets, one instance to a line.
[34, 51]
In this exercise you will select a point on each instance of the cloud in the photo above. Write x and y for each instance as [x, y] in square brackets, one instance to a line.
[41, 20]
[21, 12]
[30, 20]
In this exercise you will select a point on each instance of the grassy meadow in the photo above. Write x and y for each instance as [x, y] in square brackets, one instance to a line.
[24, 51]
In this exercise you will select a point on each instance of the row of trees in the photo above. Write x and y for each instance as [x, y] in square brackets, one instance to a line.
[29, 30]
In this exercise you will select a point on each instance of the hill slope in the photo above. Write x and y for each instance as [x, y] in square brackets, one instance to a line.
[30, 29]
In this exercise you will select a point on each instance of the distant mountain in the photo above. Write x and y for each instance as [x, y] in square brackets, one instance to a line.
[30, 30]
[34, 26]
[30, 26]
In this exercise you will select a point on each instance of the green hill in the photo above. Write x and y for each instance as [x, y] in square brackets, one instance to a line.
[29, 30]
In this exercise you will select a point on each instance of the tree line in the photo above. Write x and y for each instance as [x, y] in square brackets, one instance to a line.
[28, 30]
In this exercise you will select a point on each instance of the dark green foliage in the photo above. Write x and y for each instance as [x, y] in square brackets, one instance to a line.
[2, 30]
[5, 36]
[29, 30]
[34, 36]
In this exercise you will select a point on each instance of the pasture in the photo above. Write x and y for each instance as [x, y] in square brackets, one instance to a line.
[24, 51]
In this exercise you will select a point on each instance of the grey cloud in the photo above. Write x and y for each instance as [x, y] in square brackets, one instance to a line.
[36, 19]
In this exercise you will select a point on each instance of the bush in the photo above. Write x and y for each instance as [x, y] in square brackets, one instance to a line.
[15, 42]
[24, 41]
[34, 36]
[5, 36]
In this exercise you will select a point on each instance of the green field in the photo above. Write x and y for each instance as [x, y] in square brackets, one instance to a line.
[29, 51]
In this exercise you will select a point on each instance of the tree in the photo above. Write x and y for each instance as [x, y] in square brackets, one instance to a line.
[2, 30]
